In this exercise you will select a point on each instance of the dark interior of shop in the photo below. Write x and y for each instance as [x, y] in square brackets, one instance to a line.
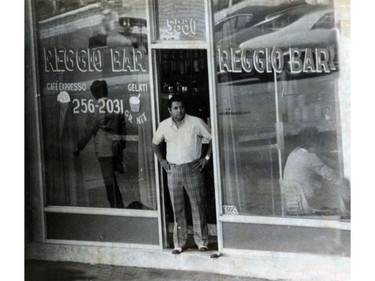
[184, 72]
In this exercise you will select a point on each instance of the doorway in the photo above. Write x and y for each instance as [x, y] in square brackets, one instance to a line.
[184, 72]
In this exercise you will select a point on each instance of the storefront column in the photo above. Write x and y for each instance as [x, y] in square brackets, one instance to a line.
[33, 177]
[342, 8]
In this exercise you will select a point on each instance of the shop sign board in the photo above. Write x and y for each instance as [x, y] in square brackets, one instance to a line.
[181, 20]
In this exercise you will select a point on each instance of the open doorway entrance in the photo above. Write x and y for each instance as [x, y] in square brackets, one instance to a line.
[184, 72]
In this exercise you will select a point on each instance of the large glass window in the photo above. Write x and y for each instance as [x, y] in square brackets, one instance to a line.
[277, 84]
[96, 143]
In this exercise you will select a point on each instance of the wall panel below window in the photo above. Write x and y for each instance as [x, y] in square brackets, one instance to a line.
[284, 238]
[97, 228]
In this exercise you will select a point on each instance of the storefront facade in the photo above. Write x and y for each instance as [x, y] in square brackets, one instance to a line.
[256, 72]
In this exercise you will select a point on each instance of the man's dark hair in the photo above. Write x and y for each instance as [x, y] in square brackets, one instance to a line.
[99, 89]
[178, 98]
[308, 137]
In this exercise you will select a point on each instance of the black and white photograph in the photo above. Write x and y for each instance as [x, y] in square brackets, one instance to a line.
[187, 140]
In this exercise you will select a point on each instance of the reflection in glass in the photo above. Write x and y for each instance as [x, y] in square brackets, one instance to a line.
[260, 113]
[77, 44]
[317, 186]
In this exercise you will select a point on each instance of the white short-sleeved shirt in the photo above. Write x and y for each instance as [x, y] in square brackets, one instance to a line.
[303, 167]
[184, 144]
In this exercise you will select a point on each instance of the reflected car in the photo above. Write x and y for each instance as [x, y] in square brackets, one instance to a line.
[241, 17]
[308, 26]
[132, 28]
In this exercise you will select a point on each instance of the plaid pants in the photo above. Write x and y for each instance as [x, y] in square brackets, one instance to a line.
[180, 177]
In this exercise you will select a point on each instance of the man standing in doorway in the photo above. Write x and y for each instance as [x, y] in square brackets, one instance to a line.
[183, 135]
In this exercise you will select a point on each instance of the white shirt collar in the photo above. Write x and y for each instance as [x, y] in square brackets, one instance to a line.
[174, 124]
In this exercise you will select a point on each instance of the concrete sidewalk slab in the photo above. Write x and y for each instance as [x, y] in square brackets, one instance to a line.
[249, 264]
[36, 270]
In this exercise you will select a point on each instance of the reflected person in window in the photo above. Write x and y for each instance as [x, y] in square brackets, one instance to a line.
[111, 33]
[108, 130]
[183, 135]
[306, 168]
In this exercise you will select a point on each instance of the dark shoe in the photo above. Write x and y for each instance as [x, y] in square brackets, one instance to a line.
[202, 249]
[176, 251]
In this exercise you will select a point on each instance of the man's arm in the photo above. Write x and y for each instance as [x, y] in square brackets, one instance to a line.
[205, 132]
[322, 169]
[209, 150]
[159, 154]
[202, 162]
[91, 127]
[122, 131]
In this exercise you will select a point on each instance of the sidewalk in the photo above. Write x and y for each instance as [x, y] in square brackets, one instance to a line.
[67, 271]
